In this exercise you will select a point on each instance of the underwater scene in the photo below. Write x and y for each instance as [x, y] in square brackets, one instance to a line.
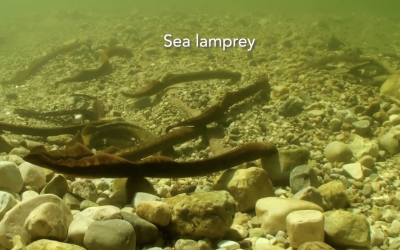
[199, 125]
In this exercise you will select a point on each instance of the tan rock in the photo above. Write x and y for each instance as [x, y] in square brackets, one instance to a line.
[201, 215]
[155, 212]
[272, 212]
[304, 226]
[247, 186]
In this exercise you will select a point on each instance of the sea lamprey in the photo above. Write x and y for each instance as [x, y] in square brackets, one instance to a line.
[105, 68]
[111, 166]
[37, 64]
[154, 86]
[230, 98]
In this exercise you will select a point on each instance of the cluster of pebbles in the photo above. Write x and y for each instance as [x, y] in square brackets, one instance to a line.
[335, 180]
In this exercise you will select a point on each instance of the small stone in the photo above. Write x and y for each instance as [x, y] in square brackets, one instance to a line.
[115, 235]
[367, 161]
[354, 170]
[185, 244]
[304, 226]
[338, 152]
[315, 113]
[32, 175]
[10, 177]
[228, 245]
[7, 201]
[47, 221]
[155, 212]
[362, 127]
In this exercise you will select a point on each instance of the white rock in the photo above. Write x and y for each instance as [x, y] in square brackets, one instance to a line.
[7, 201]
[354, 170]
[272, 212]
[377, 237]
[14, 220]
[29, 194]
[140, 197]
[228, 245]
[10, 177]
[304, 226]
[78, 227]
[47, 221]
[32, 175]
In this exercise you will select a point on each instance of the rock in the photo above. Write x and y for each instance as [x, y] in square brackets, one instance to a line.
[85, 189]
[118, 198]
[338, 152]
[201, 215]
[390, 141]
[185, 244]
[291, 107]
[354, 170]
[32, 175]
[10, 177]
[79, 225]
[362, 127]
[86, 204]
[264, 244]
[51, 244]
[47, 221]
[336, 124]
[134, 185]
[367, 161]
[391, 86]
[140, 196]
[228, 245]
[18, 243]
[29, 194]
[204, 245]
[58, 185]
[114, 235]
[347, 229]
[272, 212]
[155, 212]
[72, 201]
[316, 245]
[377, 237]
[310, 194]
[362, 146]
[14, 220]
[146, 232]
[280, 165]
[19, 152]
[334, 195]
[304, 226]
[16, 159]
[303, 176]
[280, 90]
[246, 186]
[315, 113]
[7, 201]
[5, 144]
[236, 233]
[395, 244]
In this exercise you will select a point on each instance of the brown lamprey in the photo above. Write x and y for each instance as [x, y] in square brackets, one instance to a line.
[155, 86]
[111, 166]
[158, 144]
[215, 112]
[105, 68]
[37, 64]
[47, 131]
[88, 114]
[92, 135]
